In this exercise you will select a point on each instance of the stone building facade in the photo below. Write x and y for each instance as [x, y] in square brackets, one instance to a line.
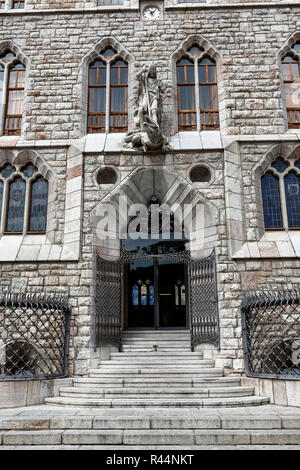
[56, 41]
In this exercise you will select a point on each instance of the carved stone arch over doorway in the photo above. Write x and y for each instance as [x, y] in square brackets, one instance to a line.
[195, 263]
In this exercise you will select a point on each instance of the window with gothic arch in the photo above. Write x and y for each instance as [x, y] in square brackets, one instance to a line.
[291, 85]
[281, 196]
[197, 91]
[12, 82]
[108, 93]
[23, 200]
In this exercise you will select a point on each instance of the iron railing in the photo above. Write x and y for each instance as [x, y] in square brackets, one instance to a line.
[34, 335]
[271, 333]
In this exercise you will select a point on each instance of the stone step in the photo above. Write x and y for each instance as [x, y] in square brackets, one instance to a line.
[149, 362]
[148, 349]
[185, 355]
[157, 372]
[148, 437]
[158, 402]
[86, 392]
[155, 333]
[159, 382]
[160, 342]
[142, 419]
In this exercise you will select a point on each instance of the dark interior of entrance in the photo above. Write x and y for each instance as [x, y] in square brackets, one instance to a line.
[155, 280]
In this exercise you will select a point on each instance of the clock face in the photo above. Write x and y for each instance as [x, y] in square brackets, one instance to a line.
[151, 13]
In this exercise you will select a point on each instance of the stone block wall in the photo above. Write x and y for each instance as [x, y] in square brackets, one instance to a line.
[248, 41]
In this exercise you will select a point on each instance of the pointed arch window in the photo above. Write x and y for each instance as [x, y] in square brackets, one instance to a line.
[197, 91]
[23, 200]
[12, 83]
[291, 85]
[108, 93]
[280, 187]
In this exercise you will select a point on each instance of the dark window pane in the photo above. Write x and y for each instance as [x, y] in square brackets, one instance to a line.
[187, 98]
[280, 165]
[296, 48]
[7, 56]
[292, 186]
[109, 52]
[16, 204]
[29, 170]
[195, 51]
[7, 170]
[271, 201]
[286, 72]
[38, 207]
[185, 74]
[297, 163]
[206, 61]
[185, 61]
[97, 76]
[288, 58]
[97, 100]
[118, 99]
[208, 97]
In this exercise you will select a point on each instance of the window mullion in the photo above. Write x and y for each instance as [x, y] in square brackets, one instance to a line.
[107, 108]
[197, 94]
[283, 203]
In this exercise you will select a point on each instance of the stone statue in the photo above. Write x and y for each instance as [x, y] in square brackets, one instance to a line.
[147, 115]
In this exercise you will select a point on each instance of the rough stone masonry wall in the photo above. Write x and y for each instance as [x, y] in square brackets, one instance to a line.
[248, 40]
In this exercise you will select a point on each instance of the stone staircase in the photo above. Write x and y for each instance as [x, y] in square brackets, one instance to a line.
[156, 369]
[156, 394]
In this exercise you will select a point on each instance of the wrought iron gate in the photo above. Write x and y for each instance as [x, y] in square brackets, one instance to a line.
[201, 289]
[204, 301]
[108, 301]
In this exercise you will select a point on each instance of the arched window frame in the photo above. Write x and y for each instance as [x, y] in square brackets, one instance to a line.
[122, 122]
[292, 113]
[88, 59]
[18, 173]
[208, 51]
[280, 175]
[7, 47]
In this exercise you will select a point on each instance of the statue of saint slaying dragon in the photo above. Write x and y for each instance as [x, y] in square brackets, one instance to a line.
[147, 116]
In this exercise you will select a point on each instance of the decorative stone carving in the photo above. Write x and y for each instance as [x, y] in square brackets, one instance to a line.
[147, 115]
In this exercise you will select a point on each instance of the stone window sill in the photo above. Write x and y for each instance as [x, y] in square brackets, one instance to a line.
[275, 244]
[31, 248]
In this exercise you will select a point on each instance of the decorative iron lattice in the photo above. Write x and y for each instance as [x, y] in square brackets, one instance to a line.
[34, 336]
[271, 333]
[204, 301]
[108, 301]
[201, 295]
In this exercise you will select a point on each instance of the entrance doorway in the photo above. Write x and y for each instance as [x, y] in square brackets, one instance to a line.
[156, 293]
